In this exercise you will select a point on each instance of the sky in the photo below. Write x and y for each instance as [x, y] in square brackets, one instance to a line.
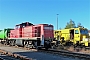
[14, 12]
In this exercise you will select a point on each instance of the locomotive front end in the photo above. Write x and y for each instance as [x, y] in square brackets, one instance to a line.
[84, 37]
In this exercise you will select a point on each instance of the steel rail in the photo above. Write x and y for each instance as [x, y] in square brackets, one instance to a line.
[66, 53]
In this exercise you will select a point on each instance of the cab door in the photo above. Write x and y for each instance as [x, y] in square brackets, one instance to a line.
[76, 35]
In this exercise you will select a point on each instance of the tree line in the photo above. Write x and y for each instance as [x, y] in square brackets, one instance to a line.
[71, 24]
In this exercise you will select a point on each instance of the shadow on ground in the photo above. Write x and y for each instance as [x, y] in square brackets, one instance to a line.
[46, 56]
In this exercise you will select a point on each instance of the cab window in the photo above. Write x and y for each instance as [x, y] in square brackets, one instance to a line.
[84, 31]
[76, 32]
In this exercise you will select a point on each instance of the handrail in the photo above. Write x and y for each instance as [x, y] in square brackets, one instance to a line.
[27, 33]
[23, 34]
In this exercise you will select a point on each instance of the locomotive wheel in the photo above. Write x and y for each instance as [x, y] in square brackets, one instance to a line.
[5, 42]
[54, 45]
[12, 43]
[28, 44]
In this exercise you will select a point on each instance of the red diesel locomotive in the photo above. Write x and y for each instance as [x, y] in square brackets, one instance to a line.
[29, 35]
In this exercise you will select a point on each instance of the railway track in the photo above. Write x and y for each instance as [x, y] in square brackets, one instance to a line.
[58, 52]
[67, 53]
[12, 55]
[25, 48]
[5, 57]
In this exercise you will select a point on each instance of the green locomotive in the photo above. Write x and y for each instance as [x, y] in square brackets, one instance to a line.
[4, 33]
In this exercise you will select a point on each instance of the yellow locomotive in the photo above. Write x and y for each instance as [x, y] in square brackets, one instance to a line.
[73, 36]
